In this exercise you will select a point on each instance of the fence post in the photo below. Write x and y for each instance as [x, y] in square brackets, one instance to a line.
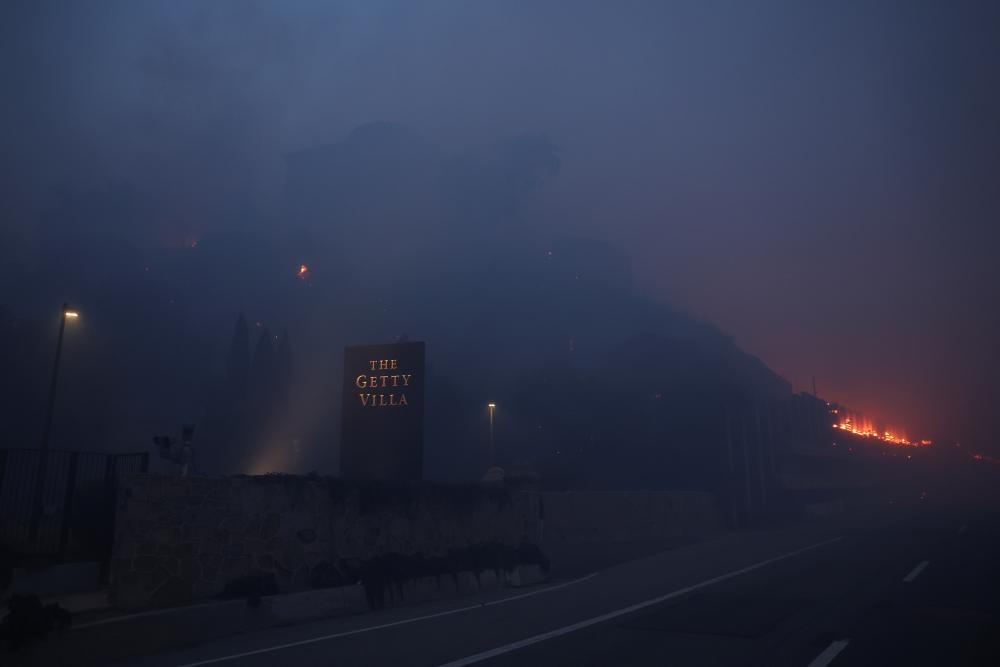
[109, 470]
[109, 505]
[746, 469]
[68, 504]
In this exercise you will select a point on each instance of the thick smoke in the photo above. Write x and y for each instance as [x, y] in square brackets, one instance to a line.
[523, 186]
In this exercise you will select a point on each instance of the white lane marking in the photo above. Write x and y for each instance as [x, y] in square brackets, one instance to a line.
[154, 612]
[915, 572]
[513, 646]
[962, 529]
[414, 619]
[829, 653]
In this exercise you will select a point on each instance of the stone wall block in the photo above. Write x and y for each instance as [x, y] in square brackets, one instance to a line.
[188, 569]
[255, 547]
[253, 526]
[314, 557]
[206, 588]
[300, 581]
[233, 522]
[169, 564]
[210, 560]
[212, 545]
[184, 550]
[270, 525]
[292, 556]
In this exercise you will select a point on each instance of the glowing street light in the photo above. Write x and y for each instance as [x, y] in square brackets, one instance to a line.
[43, 458]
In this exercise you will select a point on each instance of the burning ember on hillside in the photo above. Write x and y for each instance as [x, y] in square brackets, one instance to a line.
[303, 272]
[861, 426]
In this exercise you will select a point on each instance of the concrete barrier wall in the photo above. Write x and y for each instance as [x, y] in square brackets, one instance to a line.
[579, 517]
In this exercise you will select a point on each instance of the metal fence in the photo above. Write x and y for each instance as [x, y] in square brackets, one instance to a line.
[76, 517]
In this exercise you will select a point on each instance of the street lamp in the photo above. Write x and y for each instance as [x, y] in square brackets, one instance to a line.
[492, 407]
[67, 314]
[43, 457]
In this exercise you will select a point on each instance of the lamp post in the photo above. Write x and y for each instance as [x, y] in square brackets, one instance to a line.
[43, 457]
[492, 407]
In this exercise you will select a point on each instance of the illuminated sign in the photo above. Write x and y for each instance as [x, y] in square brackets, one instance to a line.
[382, 426]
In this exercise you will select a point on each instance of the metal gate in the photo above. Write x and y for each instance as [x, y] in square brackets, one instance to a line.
[76, 518]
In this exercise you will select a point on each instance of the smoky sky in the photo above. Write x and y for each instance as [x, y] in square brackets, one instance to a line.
[818, 179]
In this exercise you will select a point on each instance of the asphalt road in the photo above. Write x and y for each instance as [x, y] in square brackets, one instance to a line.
[904, 586]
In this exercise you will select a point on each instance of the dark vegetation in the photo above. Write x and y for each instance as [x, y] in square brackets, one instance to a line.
[385, 576]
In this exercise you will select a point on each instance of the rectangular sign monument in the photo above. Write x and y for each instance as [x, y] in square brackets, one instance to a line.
[382, 426]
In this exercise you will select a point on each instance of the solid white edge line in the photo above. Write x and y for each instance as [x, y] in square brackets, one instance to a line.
[414, 619]
[915, 572]
[558, 632]
[829, 653]
[154, 612]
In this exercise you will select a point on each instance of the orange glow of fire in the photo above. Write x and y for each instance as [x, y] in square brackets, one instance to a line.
[861, 426]
[303, 272]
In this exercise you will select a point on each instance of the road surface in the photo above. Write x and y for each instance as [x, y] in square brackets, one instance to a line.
[914, 586]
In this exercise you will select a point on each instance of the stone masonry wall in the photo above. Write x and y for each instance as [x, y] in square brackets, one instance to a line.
[184, 539]
[181, 539]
